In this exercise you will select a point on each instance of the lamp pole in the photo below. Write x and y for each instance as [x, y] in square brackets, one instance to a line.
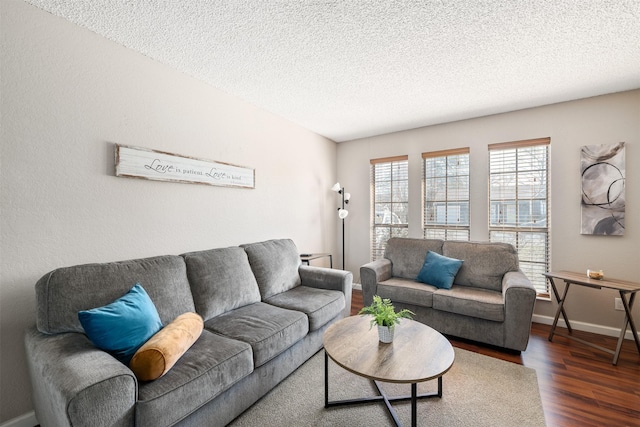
[342, 213]
[343, 252]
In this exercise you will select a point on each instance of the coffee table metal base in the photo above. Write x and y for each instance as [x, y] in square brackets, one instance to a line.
[382, 397]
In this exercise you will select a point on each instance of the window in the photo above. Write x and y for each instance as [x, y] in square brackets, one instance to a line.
[445, 197]
[389, 202]
[519, 204]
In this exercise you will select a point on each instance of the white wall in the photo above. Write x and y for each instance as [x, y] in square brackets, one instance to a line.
[600, 120]
[67, 95]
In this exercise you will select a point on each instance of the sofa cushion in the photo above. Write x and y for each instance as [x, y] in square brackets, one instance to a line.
[162, 351]
[123, 326]
[275, 265]
[439, 270]
[62, 293]
[469, 301]
[320, 305]
[268, 329]
[221, 280]
[407, 255]
[484, 264]
[407, 291]
[212, 365]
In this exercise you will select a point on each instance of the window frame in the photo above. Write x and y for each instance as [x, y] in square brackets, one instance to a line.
[437, 230]
[380, 230]
[522, 233]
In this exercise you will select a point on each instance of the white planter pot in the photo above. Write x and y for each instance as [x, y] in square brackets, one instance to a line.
[385, 333]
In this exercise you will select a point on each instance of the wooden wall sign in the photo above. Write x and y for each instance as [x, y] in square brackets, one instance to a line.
[138, 162]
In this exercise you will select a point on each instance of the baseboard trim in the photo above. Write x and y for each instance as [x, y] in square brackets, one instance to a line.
[357, 286]
[26, 420]
[583, 326]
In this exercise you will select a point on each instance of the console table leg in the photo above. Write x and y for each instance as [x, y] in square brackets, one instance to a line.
[628, 320]
[560, 309]
[634, 331]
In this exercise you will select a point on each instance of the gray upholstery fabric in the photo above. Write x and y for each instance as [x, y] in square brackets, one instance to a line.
[329, 278]
[518, 296]
[265, 256]
[491, 301]
[468, 301]
[61, 293]
[221, 280]
[213, 364]
[320, 305]
[459, 325]
[406, 290]
[83, 407]
[224, 408]
[87, 376]
[268, 329]
[244, 352]
[370, 275]
[484, 263]
[407, 255]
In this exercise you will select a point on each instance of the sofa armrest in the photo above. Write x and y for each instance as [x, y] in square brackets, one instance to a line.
[328, 278]
[74, 383]
[370, 275]
[519, 300]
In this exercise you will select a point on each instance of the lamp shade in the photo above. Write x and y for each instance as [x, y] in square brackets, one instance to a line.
[342, 213]
[336, 187]
[347, 196]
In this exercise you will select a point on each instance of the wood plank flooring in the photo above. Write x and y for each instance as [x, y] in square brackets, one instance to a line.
[578, 384]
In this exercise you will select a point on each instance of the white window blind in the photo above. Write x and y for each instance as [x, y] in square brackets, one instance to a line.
[519, 204]
[445, 195]
[389, 202]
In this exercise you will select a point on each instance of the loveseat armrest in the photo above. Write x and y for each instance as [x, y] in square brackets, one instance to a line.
[328, 278]
[74, 383]
[519, 300]
[371, 274]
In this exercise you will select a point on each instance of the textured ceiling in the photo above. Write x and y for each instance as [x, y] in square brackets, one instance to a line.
[348, 69]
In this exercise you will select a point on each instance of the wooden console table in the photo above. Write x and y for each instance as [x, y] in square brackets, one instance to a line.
[627, 292]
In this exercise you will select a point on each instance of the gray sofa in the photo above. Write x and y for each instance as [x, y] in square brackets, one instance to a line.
[264, 315]
[491, 300]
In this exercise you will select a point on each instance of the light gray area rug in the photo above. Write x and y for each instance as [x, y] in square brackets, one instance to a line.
[477, 391]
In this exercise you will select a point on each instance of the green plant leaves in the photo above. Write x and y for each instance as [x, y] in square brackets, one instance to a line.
[384, 313]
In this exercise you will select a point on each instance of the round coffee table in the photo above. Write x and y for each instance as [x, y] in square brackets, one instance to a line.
[418, 353]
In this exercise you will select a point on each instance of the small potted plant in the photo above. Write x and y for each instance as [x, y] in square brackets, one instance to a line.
[385, 316]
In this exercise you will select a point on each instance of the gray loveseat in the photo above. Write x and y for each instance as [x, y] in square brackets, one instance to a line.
[264, 315]
[491, 300]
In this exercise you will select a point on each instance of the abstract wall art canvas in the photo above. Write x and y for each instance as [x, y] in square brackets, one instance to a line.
[603, 192]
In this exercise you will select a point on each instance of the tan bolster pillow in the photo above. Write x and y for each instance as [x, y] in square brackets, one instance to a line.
[162, 351]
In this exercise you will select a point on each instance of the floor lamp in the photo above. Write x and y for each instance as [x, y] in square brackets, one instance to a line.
[342, 212]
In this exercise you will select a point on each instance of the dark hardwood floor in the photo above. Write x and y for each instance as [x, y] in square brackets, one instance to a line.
[578, 384]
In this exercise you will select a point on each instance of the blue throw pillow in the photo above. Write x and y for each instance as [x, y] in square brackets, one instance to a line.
[439, 270]
[120, 328]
